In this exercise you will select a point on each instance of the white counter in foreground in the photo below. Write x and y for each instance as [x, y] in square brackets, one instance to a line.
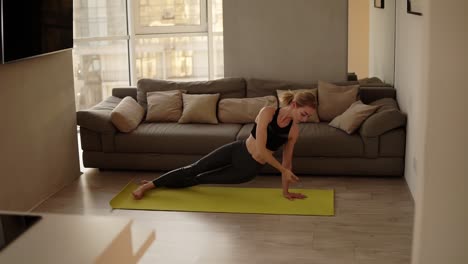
[78, 239]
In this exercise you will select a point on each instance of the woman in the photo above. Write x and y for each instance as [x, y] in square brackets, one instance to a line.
[240, 161]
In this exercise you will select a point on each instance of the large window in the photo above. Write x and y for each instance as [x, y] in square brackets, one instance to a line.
[119, 42]
[175, 57]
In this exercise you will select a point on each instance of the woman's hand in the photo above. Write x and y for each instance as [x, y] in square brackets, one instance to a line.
[288, 177]
[292, 196]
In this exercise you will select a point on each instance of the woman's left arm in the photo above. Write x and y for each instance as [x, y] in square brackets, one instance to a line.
[287, 163]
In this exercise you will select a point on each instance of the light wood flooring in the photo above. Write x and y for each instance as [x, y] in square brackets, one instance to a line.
[372, 224]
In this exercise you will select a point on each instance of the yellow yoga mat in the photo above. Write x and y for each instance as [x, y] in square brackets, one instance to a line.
[227, 200]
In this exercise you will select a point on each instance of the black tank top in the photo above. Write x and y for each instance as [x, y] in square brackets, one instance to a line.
[276, 136]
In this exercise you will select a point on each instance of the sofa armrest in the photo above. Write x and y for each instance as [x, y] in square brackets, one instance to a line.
[381, 122]
[98, 117]
[96, 120]
[386, 118]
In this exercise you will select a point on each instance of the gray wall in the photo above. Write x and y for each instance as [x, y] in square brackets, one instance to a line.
[297, 40]
[38, 138]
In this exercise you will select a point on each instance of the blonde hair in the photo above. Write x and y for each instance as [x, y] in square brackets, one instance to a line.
[302, 98]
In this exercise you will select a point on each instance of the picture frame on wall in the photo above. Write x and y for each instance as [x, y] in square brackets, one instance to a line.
[379, 4]
[414, 7]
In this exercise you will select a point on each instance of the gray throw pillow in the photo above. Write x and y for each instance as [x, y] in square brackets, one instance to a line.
[243, 110]
[164, 106]
[333, 100]
[199, 108]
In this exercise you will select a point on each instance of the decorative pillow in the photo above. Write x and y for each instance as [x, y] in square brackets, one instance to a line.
[353, 117]
[164, 106]
[199, 108]
[243, 110]
[127, 115]
[314, 117]
[334, 100]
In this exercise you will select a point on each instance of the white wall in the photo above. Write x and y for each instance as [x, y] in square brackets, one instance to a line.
[382, 41]
[358, 38]
[410, 48]
[296, 40]
[38, 138]
[441, 222]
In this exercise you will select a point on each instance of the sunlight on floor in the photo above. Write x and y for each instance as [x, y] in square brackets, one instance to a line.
[80, 152]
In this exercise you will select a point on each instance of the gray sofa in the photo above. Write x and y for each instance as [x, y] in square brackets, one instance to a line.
[378, 147]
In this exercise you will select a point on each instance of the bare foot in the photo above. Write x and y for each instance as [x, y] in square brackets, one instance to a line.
[143, 182]
[138, 193]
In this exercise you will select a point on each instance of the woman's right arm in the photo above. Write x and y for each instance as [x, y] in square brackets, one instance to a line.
[264, 117]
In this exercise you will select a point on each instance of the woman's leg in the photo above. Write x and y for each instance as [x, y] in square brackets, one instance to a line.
[186, 176]
[243, 169]
[227, 175]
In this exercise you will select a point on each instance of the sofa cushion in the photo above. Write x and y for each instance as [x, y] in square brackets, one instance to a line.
[322, 140]
[334, 99]
[127, 115]
[368, 94]
[164, 106]
[226, 87]
[392, 143]
[199, 108]
[263, 87]
[175, 138]
[243, 110]
[244, 132]
[319, 139]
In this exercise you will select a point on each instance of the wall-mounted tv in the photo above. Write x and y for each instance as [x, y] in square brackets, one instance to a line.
[33, 28]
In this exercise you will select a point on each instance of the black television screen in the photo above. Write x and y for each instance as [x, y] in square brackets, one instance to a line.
[32, 28]
[12, 226]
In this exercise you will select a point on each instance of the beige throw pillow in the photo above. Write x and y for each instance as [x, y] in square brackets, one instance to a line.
[199, 108]
[243, 110]
[127, 115]
[314, 118]
[333, 100]
[353, 117]
[164, 106]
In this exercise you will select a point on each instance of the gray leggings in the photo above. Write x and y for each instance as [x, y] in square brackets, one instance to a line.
[229, 164]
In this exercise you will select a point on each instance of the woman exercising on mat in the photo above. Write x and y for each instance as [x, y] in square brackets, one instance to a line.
[240, 161]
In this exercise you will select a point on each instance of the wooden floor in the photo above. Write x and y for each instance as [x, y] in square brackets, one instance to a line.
[372, 224]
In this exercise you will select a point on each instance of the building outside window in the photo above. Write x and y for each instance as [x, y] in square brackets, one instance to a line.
[118, 42]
